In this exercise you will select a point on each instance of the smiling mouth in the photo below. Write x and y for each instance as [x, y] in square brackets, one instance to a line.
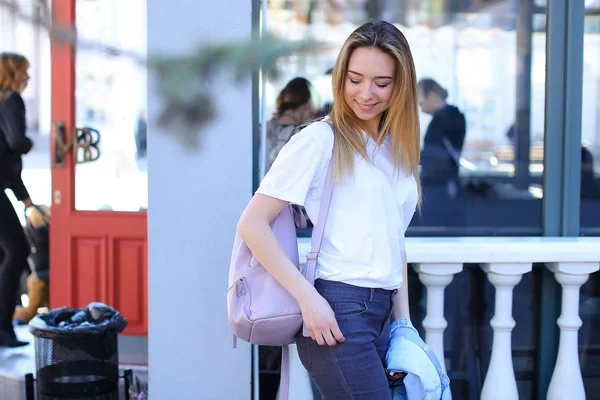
[366, 107]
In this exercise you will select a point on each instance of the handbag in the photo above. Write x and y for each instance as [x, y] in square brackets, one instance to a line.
[37, 232]
[260, 310]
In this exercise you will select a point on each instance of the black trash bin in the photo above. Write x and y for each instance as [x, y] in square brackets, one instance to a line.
[76, 352]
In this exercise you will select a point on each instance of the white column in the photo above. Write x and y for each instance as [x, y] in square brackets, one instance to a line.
[567, 381]
[500, 382]
[196, 196]
[436, 277]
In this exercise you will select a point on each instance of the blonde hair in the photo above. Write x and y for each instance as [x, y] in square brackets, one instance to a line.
[10, 66]
[400, 121]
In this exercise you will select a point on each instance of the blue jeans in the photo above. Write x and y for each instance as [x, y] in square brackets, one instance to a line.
[354, 369]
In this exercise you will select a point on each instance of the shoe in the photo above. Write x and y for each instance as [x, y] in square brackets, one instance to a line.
[10, 340]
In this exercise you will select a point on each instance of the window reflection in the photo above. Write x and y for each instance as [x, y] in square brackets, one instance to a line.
[590, 124]
[472, 53]
[293, 108]
[111, 97]
[488, 57]
[589, 305]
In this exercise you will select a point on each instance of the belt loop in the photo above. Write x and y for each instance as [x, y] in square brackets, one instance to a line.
[371, 294]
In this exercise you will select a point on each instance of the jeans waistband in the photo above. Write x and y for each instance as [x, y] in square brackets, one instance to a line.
[333, 288]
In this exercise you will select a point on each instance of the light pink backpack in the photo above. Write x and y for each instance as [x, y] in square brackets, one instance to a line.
[260, 310]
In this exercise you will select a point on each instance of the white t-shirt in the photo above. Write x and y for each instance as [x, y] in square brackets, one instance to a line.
[363, 242]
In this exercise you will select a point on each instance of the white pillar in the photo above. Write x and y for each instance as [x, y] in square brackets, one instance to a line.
[195, 199]
[567, 381]
[436, 277]
[500, 382]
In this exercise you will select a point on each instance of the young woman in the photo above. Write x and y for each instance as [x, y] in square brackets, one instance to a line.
[372, 137]
[13, 144]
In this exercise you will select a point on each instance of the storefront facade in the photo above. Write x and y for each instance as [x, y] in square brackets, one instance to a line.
[526, 75]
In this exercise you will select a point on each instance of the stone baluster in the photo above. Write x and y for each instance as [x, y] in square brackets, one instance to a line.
[436, 277]
[500, 382]
[567, 382]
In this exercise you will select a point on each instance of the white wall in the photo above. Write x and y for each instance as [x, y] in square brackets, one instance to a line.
[195, 199]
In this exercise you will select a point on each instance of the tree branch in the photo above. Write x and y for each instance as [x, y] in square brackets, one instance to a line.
[183, 81]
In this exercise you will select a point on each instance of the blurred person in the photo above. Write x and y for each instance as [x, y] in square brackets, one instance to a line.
[293, 108]
[361, 275]
[445, 136]
[141, 135]
[14, 249]
[589, 185]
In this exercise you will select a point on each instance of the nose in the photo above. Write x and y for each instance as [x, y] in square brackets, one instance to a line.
[366, 92]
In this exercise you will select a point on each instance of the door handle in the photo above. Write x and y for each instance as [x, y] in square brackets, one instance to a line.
[83, 143]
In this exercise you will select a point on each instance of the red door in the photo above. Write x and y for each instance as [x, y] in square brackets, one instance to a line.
[98, 236]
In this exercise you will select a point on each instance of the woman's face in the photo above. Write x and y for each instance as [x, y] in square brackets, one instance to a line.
[21, 80]
[369, 84]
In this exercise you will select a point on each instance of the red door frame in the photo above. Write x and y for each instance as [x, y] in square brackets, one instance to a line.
[95, 255]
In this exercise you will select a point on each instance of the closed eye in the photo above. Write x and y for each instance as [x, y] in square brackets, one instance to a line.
[382, 85]
[354, 81]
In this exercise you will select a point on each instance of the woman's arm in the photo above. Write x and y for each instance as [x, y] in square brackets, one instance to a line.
[401, 306]
[18, 188]
[254, 228]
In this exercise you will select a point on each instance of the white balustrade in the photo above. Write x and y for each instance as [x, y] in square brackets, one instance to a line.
[504, 260]
[436, 277]
[567, 382]
[500, 382]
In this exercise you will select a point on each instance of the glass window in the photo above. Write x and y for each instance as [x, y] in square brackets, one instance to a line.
[483, 178]
[111, 98]
[589, 304]
[590, 124]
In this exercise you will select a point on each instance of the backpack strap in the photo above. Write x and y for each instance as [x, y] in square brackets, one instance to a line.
[284, 380]
[319, 229]
[317, 234]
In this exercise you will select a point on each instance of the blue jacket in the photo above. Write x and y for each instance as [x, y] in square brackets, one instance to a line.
[425, 379]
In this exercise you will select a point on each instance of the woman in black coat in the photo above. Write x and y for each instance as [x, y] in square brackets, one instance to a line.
[13, 144]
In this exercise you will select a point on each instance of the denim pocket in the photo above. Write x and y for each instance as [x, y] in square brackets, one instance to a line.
[345, 307]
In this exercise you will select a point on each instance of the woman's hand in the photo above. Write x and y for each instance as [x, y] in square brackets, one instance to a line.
[320, 320]
[27, 202]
